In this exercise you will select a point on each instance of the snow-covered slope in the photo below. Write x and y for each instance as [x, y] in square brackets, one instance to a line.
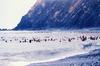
[89, 59]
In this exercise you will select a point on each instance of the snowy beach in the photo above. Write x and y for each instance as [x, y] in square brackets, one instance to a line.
[39, 46]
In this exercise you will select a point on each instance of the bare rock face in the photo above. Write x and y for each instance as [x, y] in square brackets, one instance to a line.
[62, 14]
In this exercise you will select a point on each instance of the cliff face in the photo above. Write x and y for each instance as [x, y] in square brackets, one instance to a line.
[86, 14]
[62, 14]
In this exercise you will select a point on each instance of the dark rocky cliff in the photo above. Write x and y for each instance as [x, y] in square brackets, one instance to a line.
[62, 14]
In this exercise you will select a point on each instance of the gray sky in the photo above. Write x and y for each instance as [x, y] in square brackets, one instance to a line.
[12, 11]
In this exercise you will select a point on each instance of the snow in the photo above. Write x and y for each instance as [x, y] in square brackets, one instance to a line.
[13, 48]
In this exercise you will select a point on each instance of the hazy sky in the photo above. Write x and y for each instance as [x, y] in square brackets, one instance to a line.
[11, 11]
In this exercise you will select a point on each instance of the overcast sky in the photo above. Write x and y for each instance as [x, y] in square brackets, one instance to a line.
[11, 12]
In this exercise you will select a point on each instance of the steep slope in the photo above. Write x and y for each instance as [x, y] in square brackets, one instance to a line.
[62, 14]
[85, 15]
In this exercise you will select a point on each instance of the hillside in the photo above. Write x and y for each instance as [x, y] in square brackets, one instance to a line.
[61, 14]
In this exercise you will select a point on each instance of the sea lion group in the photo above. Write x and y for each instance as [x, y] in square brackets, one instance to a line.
[82, 38]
